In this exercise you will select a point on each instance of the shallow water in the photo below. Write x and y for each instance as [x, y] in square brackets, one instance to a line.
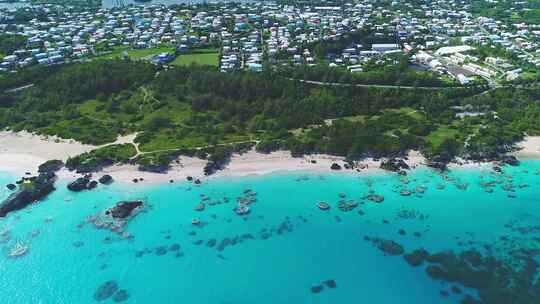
[295, 245]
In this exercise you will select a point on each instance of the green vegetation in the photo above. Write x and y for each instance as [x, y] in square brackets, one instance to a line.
[396, 73]
[118, 52]
[198, 111]
[201, 57]
[98, 158]
[530, 16]
[53, 105]
[75, 3]
[158, 161]
[323, 49]
[10, 43]
[437, 137]
[509, 11]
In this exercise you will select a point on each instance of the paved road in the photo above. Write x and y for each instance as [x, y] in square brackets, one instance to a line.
[19, 88]
[381, 86]
[490, 86]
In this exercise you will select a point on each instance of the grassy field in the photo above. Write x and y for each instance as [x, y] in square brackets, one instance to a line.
[436, 137]
[118, 52]
[408, 111]
[142, 53]
[201, 57]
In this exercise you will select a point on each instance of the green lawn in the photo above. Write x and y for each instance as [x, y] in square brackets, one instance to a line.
[166, 139]
[90, 109]
[436, 137]
[118, 52]
[177, 112]
[117, 153]
[142, 53]
[408, 111]
[201, 58]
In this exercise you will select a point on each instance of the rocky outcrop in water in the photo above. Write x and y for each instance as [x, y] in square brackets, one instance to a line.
[394, 165]
[105, 179]
[51, 166]
[509, 160]
[335, 166]
[389, 247]
[79, 184]
[106, 290]
[123, 210]
[416, 258]
[30, 190]
[110, 289]
[375, 198]
[496, 281]
[82, 183]
[438, 165]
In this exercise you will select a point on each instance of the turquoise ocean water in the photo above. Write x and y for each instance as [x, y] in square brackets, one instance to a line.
[287, 246]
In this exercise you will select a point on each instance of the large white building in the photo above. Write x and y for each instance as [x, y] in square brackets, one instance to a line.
[448, 50]
[385, 47]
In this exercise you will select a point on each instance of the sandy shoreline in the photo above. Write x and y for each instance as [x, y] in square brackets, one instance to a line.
[23, 152]
[529, 148]
[248, 164]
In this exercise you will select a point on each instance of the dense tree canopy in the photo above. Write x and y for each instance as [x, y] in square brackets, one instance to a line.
[190, 108]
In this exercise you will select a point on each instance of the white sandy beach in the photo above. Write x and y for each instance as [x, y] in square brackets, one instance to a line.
[23, 152]
[529, 148]
[247, 164]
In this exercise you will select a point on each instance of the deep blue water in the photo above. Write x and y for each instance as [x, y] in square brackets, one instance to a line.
[289, 245]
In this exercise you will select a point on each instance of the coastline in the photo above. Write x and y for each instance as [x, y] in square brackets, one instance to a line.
[23, 152]
[241, 165]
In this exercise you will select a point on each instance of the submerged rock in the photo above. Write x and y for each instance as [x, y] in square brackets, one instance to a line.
[120, 296]
[470, 300]
[200, 207]
[211, 243]
[174, 247]
[387, 246]
[330, 283]
[161, 250]
[436, 272]
[375, 198]
[510, 160]
[416, 258]
[456, 289]
[105, 291]
[347, 206]
[11, 187]
[317, 288]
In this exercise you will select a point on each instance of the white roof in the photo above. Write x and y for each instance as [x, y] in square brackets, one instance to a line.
[453, 49]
